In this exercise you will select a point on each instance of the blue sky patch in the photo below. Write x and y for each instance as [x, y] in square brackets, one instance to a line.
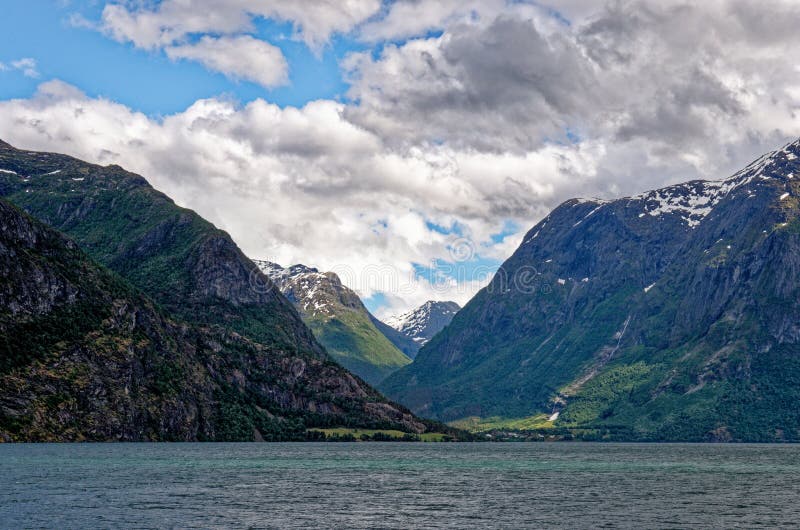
[145, 80]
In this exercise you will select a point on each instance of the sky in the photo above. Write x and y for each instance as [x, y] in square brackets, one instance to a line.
[407, 145]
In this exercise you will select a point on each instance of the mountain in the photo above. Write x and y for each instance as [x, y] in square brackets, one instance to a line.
[338, 320]
[86, 356]
[198, 309]
[422, 323]
[671, 315]
[179, 259]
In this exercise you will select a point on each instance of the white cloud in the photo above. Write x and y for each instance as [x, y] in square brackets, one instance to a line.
[241, 57]
[316, 20]
[77, 20]
[25, 65]
[219, 34]
[170, 21]
[411, 18]
[414, 18]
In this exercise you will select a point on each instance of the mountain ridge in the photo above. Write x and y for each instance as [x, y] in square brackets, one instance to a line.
[650, 317]
[338, 319]
[422, 323]
[175, 256]
[196, 277]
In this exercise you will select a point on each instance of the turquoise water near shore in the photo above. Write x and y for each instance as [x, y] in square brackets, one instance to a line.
[399, 485]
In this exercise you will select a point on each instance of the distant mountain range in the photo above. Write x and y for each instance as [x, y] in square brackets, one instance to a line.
[129, 318]
[422, 323]
[338, 319]
[354, 337]
[670, 315]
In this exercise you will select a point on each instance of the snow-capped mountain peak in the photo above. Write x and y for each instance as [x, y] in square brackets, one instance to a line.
[313, 292]
[339, 320]
[693, 201]
[422, 323]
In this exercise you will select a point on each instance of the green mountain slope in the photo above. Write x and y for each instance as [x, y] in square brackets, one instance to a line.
[85, 356]
[197, 276]
[667, 316]
[338, 320]
[401, 341]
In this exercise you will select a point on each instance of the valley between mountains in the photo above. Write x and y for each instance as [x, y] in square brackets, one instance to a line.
[673, 315]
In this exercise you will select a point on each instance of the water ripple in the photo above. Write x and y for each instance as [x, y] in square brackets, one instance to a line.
[399, 485]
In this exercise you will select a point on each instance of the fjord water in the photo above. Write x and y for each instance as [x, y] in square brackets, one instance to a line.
[402, 485]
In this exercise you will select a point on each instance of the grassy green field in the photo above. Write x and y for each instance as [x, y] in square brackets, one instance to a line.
[475, 424]
[343, 432]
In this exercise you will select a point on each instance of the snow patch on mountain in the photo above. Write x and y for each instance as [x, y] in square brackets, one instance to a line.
[308, 288]
[591, 200]
[422, 323]
[589, 214]
[693, 201]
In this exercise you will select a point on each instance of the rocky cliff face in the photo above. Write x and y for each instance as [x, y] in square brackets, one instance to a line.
[338, 319]
[669, 315]
[421, 324]
[217, 354]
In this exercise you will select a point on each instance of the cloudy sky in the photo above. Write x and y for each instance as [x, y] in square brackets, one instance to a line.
[405, 144]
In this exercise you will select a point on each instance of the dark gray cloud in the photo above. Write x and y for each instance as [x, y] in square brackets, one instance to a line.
[505, 81]
[673, 73]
